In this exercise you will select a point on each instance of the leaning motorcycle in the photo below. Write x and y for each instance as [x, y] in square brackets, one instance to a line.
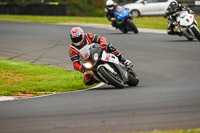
[187, 24]
[105, 67]
[124, 20]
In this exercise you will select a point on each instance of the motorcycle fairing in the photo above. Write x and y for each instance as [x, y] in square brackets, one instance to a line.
[121, 16]
[185, 19]
[108, 57]
[186, 22]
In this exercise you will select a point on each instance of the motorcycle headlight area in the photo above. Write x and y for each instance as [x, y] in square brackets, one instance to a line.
[96, 56]
[87, 65]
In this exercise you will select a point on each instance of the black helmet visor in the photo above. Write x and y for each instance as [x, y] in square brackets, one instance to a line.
[76, 39]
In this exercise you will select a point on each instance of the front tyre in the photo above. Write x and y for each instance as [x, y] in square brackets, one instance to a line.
[111, 78]
[132, 26]
[196, 32]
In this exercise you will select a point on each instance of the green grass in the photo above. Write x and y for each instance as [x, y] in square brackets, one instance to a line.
[151, 22]
[142, 22]
[54, 19]
[174, 131]
[27, 78]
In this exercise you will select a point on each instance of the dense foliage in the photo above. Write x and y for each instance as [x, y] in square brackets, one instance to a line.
[74, 7]
[86, 7]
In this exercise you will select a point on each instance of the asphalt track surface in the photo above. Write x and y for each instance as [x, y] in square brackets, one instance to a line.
[168, 96]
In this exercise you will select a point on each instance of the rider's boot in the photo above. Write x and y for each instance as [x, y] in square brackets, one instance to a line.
[175, 33]
[114, 24]
[124, 61]
[179, 33]
[112, 49]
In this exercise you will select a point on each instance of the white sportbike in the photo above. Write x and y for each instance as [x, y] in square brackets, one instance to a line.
[105, 67]
[187, 24]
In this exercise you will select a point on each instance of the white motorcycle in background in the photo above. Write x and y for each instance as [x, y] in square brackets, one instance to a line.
[187, 24]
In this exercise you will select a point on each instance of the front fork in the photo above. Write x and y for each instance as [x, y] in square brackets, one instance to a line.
[188, 31]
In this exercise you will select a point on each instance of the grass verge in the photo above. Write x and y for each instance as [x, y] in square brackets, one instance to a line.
[142, 22]
[174, 131]
[26, 78]
[54, 19]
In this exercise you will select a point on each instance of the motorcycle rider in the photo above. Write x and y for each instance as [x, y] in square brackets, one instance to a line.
[109, 11]
[80, 40]
[172, 12]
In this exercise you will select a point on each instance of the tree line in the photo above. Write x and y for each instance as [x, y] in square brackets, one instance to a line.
[74, 7]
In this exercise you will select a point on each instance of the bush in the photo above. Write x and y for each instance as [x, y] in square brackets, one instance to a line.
[85, 8]
[74, 7]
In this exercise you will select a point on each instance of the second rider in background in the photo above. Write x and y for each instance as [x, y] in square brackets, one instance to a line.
[109, 11]
[172, 12]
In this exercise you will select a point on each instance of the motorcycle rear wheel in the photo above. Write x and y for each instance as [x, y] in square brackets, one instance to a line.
[189, 39]
[133, 79]
[123, 30]
[110, 78]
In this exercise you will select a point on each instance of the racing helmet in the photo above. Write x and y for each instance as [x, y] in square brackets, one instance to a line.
[77, 35]
[110, 4]
[173, 6]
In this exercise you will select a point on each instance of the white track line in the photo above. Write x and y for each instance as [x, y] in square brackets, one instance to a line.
[109, 27]
[8, 98]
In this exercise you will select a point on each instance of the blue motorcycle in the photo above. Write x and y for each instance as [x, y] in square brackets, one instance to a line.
[124, 20]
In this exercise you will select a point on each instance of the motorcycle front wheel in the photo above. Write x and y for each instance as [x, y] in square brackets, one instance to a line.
[111, 78]
[196, 32]
[133, 27]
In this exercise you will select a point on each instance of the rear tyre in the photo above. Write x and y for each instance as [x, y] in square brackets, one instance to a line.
[133, 27]
[133, 79]
[196, 32]
[123, 30]
[112, 79]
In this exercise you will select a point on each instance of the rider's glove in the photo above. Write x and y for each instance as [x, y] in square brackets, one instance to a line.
[192, 12]
[104, 46]
[110, 47]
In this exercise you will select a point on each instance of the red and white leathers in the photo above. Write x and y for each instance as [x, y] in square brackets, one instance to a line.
[74, 52]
